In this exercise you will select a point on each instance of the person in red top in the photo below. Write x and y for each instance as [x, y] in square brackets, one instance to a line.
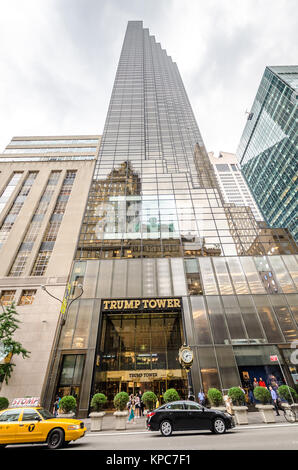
[262, 383]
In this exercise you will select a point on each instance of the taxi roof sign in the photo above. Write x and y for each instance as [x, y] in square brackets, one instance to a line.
[26, 401]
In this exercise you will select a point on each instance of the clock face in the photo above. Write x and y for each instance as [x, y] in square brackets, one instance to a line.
[187, 356]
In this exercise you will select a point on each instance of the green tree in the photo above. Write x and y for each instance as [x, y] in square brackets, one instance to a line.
[9, 323]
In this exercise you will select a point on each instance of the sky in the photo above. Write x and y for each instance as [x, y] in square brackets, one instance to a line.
[58, 60]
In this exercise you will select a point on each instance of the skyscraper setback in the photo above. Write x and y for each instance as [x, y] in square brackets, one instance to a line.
[164, 260]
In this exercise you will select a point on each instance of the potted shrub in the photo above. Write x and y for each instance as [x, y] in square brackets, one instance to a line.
[289, 395]
[171, 395]
[216, 399]
[98, 401]
[149, 399]
[120, 403]
[4, 403]
[265, 407]
[67, 406]
[237, 396]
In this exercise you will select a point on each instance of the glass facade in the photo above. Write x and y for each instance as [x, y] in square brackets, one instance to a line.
[268, 147]
[156, 225]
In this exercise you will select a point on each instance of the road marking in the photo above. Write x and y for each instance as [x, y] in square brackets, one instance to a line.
[265, 426]
[123, 433]
[242, 428]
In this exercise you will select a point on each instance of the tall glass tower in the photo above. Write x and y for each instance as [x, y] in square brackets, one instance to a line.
[163, 259]
[268, 149]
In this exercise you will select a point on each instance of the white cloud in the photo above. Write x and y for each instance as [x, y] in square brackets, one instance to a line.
[58, 59]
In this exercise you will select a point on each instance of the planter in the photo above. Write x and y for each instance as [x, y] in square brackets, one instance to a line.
[240, 414]
[266, 413]
[294, 407]
[96, 420]
[219, 408]
[121, 418]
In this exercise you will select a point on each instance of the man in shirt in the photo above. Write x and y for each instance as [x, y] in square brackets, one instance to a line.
[274, 399]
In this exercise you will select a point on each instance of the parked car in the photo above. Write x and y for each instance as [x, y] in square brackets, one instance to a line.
[185, 415]
[36, 425]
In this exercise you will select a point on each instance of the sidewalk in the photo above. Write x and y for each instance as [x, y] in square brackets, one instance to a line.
[140, 423]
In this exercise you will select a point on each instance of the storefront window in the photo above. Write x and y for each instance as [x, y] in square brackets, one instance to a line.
[237, 275]
[71, 375]
[208, 367]
[254, 362]
[217, 320]
[222, 275]
[250, 318]
[202, 333]
[234, 319]
[193, 277]
[268, 320]
[282, 275]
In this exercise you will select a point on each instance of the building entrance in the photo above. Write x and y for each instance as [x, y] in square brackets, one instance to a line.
[139, 352]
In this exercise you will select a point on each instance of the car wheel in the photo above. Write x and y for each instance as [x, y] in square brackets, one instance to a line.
[166, 428]
[219, 426]
[55, 439]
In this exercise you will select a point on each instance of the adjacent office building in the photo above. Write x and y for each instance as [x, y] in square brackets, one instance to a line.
[268, 149]
[164, 259]
[44, 183]
[232, 183]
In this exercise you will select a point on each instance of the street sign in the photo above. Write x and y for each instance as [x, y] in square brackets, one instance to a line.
[26, 401]
[273, 358]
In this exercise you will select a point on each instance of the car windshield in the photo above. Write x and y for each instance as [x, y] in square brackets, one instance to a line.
[45, 413]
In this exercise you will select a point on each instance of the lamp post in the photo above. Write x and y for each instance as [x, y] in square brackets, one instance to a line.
[65, 305]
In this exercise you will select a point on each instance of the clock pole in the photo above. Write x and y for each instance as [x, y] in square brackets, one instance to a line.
[186, 361]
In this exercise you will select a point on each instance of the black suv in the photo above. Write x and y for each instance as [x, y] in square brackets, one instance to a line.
[186, 416]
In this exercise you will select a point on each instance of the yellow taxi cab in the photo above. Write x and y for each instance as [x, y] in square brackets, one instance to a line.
[34, 424]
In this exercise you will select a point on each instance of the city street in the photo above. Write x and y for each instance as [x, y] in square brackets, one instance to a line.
[244, 438]
[251, 437]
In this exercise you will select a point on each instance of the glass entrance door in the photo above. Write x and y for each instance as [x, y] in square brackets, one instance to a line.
[139, 351]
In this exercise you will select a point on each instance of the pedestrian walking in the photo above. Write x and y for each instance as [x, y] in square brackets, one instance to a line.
[56, 406]
[142, 405]
[251, 394]
[274, 399]
[201, 397]
[273, 382]
[137, 406]
[131, 416]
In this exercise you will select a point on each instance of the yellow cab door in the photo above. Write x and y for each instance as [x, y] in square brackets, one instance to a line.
[31, 426]
[9, 426]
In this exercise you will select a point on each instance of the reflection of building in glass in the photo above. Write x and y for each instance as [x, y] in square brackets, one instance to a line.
[232, 183]
[268, 147]
[158, 232]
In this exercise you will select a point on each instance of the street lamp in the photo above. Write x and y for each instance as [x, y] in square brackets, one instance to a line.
[63, 319]
[65, 305]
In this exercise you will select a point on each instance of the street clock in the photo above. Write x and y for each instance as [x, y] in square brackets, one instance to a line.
[186, 356]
